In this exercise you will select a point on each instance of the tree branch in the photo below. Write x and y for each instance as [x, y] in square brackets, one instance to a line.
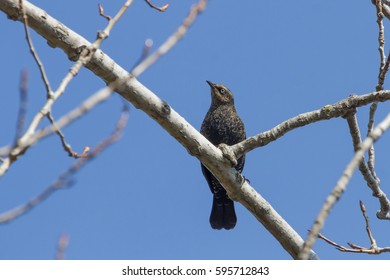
[327, 112]
[79, 111]
[368, 173]
[34, 53]
[161, 9]
[381, 41]
[374, 249]
[65, 145]
[385, 7]
[341, 185]
[172, 40]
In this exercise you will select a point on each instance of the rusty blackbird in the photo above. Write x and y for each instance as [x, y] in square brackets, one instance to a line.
[222, 125]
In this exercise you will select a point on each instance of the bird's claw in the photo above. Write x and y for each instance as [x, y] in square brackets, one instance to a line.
[228, 153]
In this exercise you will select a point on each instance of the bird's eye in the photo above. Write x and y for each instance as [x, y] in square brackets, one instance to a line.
[222, 91]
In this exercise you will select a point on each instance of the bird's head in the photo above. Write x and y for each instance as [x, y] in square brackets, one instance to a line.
[220, 94]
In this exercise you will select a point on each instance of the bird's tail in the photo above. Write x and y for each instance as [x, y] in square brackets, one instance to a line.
[222, 214]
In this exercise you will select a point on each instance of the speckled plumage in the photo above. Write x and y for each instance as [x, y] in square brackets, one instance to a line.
[222, 125]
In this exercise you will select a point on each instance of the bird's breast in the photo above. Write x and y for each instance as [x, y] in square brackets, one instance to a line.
[223, 125]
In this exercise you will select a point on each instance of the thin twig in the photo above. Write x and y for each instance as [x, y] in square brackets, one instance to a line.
[23, 105]
[86, 106]
[381, 42]
[381, 78]
[368, 229]
[172, 40]
[373, 249]
[371, 150]
[161, 9]
[65, 145]
[385, 7]
[353, 247]
[383, 68]
[101, 12]
[79, 111]
[368, 172]
[34, 53]
[148, 44]
[338, 247]
[64, 180]
[384, 62]
[341, 185]
[356, 140]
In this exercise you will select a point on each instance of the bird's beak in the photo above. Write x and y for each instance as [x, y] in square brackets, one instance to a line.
[212, 85]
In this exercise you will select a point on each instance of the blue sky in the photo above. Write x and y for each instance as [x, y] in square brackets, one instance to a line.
[145, 197]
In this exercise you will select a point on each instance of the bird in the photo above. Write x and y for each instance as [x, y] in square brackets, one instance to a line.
[222, 125]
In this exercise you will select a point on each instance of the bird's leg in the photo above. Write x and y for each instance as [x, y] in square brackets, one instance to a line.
[228, 153]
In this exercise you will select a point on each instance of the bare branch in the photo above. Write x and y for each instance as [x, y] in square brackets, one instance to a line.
[79, 111]
[368, 172]
[65, 145]
[341, 185]
[371, 151]
[374, 249]
[381, 10]
[354, 248]
[383, 68]
[148, 44]
[381, 48]
[161, 9]
[101, 12]
[172, 40]
[385, 7]
[368, 229]
[327, 112]
[34, 53]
